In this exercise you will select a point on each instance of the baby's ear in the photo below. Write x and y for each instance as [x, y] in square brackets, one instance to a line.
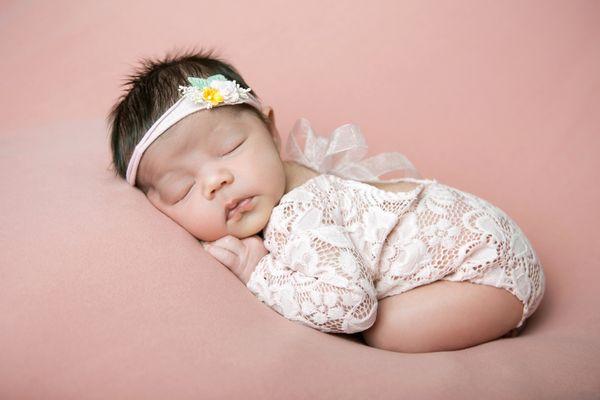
[270, 114]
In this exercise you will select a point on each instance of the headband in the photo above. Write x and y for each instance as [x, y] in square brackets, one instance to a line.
[203, 94]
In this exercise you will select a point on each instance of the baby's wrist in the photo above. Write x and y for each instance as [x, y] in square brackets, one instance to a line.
[248, 271]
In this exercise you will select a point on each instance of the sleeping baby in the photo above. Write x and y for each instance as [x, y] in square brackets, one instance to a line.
[410, 264]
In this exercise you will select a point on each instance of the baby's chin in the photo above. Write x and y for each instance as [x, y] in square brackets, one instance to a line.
[248, 226]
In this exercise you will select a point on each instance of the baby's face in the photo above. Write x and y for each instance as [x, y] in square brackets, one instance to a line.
[209, 159]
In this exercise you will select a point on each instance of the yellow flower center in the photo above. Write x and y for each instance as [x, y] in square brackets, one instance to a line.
[213, 95]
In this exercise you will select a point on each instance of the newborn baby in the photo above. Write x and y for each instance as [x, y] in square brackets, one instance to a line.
[410, 263]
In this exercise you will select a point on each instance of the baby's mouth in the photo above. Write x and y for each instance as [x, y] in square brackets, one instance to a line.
[244, 205]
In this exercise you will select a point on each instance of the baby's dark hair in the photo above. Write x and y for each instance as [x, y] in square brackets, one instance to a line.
[152, 89]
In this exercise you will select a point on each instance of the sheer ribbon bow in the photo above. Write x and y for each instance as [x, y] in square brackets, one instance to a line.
[342, 154]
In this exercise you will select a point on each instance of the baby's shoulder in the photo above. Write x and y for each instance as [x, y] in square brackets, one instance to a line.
[296, 175]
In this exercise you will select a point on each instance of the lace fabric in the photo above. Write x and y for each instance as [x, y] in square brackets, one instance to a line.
[338, 245]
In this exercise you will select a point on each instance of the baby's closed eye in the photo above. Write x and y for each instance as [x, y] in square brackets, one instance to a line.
[234, 148]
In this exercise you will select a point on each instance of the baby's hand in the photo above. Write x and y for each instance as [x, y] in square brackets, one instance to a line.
[240, 256]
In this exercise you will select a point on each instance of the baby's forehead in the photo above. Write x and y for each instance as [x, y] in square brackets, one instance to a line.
[206, 121]
[201, 124]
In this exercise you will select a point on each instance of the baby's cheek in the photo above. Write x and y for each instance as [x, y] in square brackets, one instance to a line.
[206, 227]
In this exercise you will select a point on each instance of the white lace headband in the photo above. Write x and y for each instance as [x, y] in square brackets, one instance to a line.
[214, 91]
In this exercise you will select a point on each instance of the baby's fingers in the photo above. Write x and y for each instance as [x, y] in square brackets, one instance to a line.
[230, 243]
[225, 256]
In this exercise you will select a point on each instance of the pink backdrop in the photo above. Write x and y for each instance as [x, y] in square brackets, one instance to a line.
[497, 98]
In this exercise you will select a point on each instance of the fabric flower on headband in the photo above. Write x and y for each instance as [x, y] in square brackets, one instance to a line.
[213, 91]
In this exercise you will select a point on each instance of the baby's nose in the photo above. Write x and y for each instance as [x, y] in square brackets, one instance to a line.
[215, 185]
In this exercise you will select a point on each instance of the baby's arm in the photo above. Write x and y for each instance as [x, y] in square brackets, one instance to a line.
[332, 292]
[318, 279]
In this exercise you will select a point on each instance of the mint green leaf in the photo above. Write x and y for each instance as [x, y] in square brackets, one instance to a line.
[216, 77]
[197, 82]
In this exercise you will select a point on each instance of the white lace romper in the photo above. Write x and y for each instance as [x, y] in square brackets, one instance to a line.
[337, 246]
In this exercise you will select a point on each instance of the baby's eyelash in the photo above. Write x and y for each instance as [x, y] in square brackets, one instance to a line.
[232, 150]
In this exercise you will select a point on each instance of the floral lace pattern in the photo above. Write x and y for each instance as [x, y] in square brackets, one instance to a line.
[337, 246]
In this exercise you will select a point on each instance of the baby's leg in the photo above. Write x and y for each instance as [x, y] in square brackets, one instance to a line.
[443, 315]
